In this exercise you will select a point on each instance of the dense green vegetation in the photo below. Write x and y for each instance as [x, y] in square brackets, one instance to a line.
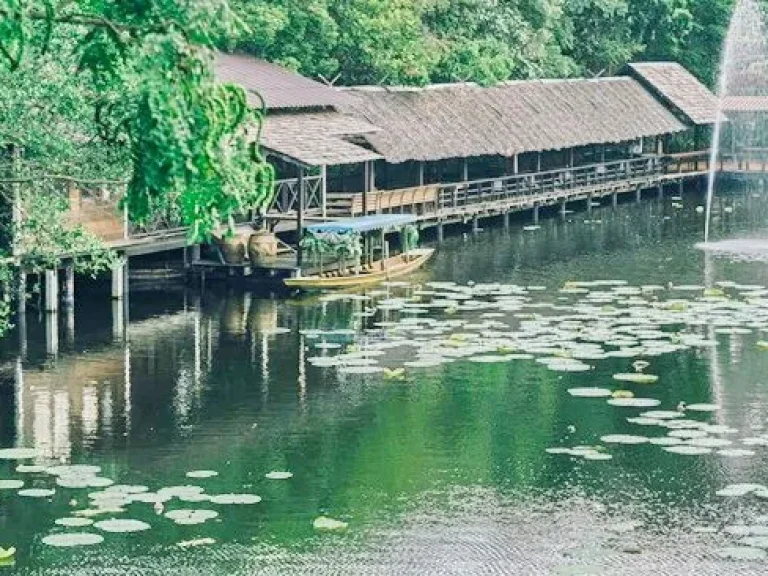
[420, 41]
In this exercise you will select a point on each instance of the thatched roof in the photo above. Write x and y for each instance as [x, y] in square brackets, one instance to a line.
[316, 139]
[735, 104]
[280, 88]
[679, 89]
[464, 120]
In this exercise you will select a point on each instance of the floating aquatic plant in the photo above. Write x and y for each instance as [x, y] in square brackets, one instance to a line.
[325, 524]
[73, 539]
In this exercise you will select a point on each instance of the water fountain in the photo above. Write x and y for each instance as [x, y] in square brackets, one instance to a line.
[743, 74]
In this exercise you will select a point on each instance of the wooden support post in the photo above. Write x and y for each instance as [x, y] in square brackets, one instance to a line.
[571, 158]
[538, 162]
[300, 218]
[421, 173]
[366, 184]
[465, 170]
[51, 290]
[602, 154]
[589, 204]
[563, 209]
[638, 194]
[475, 224]
[70, 319]
[615, 199]
[536, 214]
[660, 192]
[506, 219]
[69, 284]
[680, 187]
[515, 165]
[440, 231]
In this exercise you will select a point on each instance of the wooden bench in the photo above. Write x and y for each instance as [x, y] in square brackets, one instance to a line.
[414, 200]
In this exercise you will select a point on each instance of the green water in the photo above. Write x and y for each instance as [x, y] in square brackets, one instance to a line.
[202, 382]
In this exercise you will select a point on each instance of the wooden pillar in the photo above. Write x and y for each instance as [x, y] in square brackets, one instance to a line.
[120, 280]
[515, 164]
[536, 214]
[638, 194]
[602, 153]
[506, 219]
[51, 290]
[465, 170]
[589, 204]
[440, 232]
[563, 208]
[571, 158]
[366, 184]
[615, 199]
[538, 162]
[475, 225]
[21, 291]
[659, 145]
[69, 284]
[118, 320]
[324, 189]
[421, 173]
[660, 192]
[300, 218]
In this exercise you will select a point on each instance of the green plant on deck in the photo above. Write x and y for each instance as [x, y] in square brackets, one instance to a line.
[348, 247]
[316, 247]
[410, 238]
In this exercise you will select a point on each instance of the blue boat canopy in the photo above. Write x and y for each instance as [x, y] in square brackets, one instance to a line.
[363, 224]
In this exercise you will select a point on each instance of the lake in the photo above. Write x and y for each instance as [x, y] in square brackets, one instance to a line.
[432, 437]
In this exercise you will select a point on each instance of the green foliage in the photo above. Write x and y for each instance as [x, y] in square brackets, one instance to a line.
[485, 41]
[146, 69]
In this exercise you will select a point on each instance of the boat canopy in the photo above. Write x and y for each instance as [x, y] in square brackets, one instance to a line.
[363, 224]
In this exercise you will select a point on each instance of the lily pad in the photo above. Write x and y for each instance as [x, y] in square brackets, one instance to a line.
[590, 392]
[196, 542]
[236, 499]
[19, 453]
[702, 407]
[74, 539]
[202, 474]
[37, 493]
[186, 517]
[623, 439]
[73, 470]
[73, 522]
[634, 402]
[30, 469]
[276, 475]
[122, 525]
[325, 524]
[636, 378]
[7, 553]
[687, 450]
[11, 484]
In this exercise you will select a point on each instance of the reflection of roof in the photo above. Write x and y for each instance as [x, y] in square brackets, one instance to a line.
[363, 224]
[464, 120]
[678, 88]
[317, 139]
[745, 104]
[280, 88]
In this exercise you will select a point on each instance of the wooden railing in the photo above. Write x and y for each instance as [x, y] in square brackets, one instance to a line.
[287, 195]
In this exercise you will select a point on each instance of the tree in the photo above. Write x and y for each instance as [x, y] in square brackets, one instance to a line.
[190, 142]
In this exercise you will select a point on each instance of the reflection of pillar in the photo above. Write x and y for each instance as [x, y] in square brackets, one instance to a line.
[52, 334]
[198, 349]
[118, 320]
[127, 389]
[70, 323]
[264, 368]
[19, 396]
[22, 329]
[302, 380]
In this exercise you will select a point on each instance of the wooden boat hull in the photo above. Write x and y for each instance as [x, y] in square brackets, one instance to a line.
[396, 267]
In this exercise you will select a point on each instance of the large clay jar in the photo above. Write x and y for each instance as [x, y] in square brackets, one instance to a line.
[233, 249]
[262, 247]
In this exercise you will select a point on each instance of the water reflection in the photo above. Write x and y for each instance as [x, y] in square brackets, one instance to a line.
[212, 381]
